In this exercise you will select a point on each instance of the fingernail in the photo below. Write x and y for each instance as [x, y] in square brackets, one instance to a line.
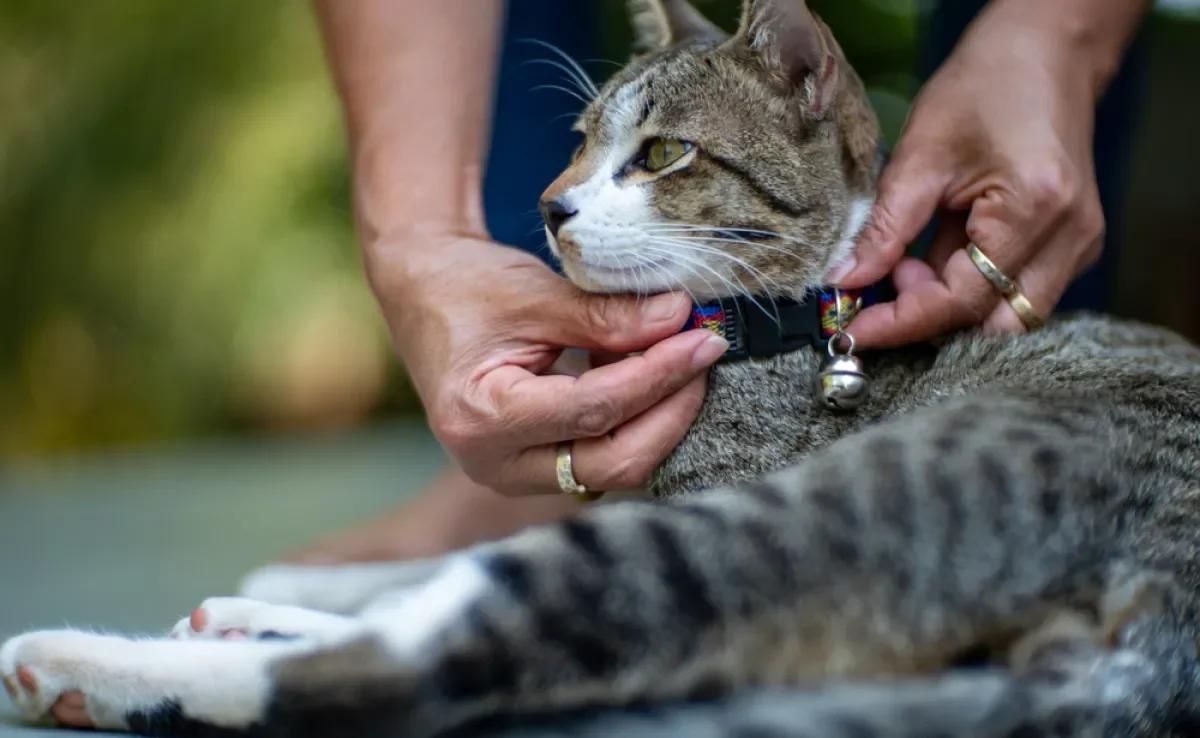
[839, 272]
[713, 348]
[664, 307]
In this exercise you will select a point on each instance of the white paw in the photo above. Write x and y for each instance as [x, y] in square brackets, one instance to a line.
[85, 680]
[57, 672]
[220, 618]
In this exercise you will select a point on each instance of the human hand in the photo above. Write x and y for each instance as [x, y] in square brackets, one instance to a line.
[479, 325]
[1000, 141]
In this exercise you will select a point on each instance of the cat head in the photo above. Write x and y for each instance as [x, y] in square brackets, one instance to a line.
[718, 164]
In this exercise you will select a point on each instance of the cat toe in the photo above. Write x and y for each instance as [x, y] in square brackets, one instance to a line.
[221, 618]
[232, 618]
[42, 673]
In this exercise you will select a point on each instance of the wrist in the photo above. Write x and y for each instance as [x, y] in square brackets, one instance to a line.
[1089, 37]
[395, 203]
[401, 261]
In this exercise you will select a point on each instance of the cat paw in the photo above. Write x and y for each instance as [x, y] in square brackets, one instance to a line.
[47, 673]
[230, 618]
[147, 686]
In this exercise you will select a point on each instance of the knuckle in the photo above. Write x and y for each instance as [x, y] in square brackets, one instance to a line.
[1054, 185]
[454, 425]
[1093, 226]
[879, 234]
[599, 316]
[596, 416]
[630, 472]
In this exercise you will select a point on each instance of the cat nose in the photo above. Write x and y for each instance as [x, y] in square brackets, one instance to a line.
[555, 213]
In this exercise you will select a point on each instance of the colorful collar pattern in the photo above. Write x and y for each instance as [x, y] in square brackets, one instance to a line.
[766, 327]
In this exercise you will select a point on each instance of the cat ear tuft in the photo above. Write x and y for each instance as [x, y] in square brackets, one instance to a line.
[794, 45]
[661, 23]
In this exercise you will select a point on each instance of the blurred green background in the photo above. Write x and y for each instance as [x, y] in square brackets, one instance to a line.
[177, 255]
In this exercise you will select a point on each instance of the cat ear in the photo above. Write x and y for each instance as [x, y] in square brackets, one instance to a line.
[662, 23]
[793, 45]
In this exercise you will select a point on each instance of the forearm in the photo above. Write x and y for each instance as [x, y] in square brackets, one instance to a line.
[1096, 33]
[415, 78]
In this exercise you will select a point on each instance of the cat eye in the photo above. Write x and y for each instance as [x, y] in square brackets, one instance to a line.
[663, 152]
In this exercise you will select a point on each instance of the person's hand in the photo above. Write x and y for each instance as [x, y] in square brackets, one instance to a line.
[1000, 143]
[479, 325]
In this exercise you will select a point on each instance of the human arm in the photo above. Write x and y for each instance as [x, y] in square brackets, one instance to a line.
[479, 325]
[999, 142]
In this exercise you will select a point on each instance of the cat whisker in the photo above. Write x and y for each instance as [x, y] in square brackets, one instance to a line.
[739, 288]
[674, 256]
[714, 234]
[560, 116]
[690, 227]
[756, 274]
[573, 68]
[569, 77]
[701, 248]
[751, 244]
[657, 268]
[567, 90]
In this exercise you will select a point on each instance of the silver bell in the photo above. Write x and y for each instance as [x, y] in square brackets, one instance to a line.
[842, 384]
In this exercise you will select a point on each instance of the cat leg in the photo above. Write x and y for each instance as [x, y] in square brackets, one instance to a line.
[241, 617]
[342, 588]
[87, 680]
[1071, 682]
[887, 554]
[837, 568]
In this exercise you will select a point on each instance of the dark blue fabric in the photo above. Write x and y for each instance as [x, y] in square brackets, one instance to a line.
[531, 135]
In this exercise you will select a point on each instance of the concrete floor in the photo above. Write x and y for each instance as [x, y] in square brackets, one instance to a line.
[132, 543]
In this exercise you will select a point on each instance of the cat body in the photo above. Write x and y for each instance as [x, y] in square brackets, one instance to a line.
[1003, 540]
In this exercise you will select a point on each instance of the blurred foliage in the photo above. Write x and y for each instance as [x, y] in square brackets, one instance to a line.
[178, 258]
[178, 254]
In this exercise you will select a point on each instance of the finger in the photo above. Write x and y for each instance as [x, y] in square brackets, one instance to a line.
[548, 409]
[927, 308]
[917, 314]
[962, 297]
[909, 192]
[622, 460]
[614, 323]
[1073, 245]
[910, 272]
[1043, 283]
[951, 236]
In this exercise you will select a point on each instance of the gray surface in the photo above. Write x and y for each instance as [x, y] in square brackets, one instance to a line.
[131, 543]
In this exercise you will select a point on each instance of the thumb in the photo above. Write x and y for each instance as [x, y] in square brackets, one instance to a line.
[620, 324]
[909, 192]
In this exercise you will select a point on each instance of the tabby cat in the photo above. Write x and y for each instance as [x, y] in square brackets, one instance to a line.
[1003, 540]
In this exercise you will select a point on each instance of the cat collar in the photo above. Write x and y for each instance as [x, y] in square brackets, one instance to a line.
[761, 327]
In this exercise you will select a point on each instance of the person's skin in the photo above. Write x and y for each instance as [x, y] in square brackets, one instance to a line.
[477, 325]
[999, 142]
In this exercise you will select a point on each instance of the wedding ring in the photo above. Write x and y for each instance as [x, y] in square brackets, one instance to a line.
[564, 466]
[1007, 287]
[1026, 312]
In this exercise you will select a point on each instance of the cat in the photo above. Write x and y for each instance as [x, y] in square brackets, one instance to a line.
[1002, 540]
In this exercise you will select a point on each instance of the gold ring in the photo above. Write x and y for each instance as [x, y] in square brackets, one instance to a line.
[564, 466]
[1007, 287]
[1026, 312]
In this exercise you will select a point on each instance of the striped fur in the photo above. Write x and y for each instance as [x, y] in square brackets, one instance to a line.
[1003, 542]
